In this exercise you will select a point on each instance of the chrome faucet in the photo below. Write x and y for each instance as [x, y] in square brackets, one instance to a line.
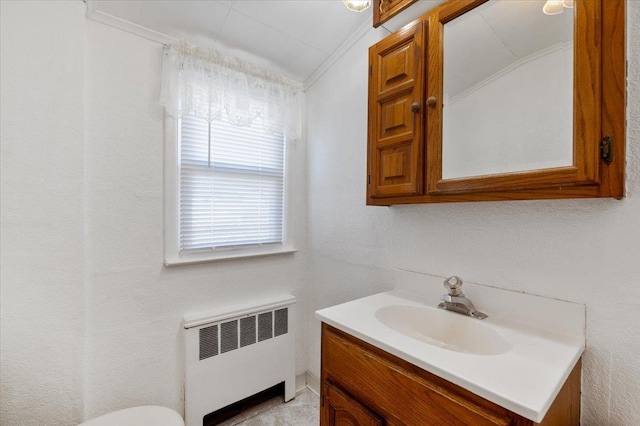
[456, 302]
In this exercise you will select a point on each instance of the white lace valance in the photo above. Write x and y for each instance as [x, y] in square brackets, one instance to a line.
[203, 83]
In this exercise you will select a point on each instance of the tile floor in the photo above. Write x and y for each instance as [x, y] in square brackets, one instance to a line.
[303, 410]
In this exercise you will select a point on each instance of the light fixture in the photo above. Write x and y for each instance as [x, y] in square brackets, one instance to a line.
[357, 5]
[555, 7]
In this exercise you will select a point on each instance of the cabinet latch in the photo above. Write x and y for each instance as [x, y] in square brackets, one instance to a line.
[606, 150]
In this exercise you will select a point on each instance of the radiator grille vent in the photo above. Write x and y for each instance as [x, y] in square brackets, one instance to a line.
[265, 326]
[247, 331]
[228, 336]
[208, 342]
[242, 332]
[281, 322]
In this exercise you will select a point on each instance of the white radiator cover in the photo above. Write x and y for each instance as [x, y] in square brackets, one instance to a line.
[221, 368]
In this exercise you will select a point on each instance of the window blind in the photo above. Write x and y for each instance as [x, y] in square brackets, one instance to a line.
[231, 185]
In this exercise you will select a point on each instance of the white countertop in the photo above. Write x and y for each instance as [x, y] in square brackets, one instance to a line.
[525, 380]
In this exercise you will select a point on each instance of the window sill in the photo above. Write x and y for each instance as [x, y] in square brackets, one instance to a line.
[226, 255]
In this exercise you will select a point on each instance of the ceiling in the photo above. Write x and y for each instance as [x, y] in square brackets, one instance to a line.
[298, 36]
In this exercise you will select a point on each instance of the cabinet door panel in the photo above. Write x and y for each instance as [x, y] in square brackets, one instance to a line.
[342, 410]
[396, 118]
[397, 68]
[396, 146]
[393, 164]
[400, 396]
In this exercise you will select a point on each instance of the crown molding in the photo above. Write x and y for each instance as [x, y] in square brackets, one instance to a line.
[99, 16]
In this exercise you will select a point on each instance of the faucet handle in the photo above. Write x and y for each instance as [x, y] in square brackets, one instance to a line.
[453, 284]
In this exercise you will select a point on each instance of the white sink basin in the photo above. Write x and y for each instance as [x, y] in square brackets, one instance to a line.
[447, 330]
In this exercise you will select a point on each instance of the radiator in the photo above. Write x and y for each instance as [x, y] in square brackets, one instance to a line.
[232, 354]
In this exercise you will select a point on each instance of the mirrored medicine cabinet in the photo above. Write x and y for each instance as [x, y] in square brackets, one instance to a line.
[482, 100]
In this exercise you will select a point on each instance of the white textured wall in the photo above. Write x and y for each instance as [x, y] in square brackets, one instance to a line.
[41, 292]
[351, 243]
[90, 316]
[579, 250]
[135, 304]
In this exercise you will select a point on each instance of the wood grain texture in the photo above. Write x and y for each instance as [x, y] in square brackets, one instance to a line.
[339, 409]
[565, 410]
[383, 10]
[403, 394]
[395, 143]
[614, 90]
[587, 90]
[599, 110]
[555, 193]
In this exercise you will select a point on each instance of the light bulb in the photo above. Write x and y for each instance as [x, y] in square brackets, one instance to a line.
[553, 7]
[357, 5]
[568, 4]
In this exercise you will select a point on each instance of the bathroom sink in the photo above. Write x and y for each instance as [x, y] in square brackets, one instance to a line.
[444, 329]
[515, 358]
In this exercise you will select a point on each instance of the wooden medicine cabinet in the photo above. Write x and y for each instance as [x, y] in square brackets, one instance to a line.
[484, 100]
[383, 10]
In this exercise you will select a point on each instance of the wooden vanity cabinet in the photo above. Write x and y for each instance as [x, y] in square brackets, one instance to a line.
[362, 385]
[405, 154]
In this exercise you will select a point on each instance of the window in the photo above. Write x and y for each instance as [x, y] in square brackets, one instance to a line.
[226, 125]
[230, 191]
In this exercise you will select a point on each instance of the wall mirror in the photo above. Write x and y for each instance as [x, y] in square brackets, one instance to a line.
[519, 96]
[508, 89]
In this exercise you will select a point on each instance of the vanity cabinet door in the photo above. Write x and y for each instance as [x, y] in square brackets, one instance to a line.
[396, 93]
[341, 410]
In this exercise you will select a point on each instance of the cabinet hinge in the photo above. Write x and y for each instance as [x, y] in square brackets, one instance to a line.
[606, 150]
[368, 179]
[370, 69]
[322, 401]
